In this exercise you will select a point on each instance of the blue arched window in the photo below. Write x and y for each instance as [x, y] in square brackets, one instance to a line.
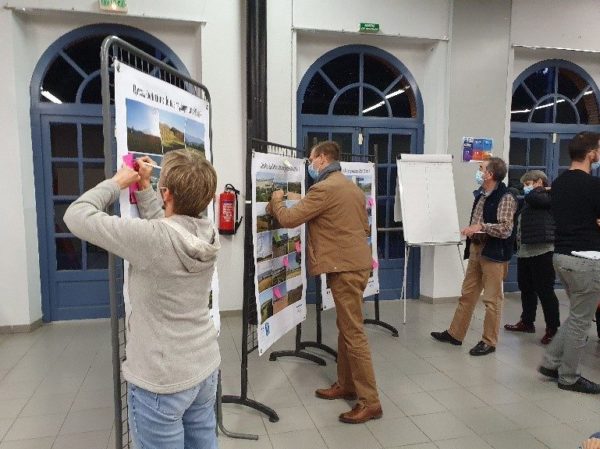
[552, 101]
[367, 101]
[66, 127]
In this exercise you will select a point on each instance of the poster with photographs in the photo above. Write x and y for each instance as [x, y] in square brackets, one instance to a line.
[153, 117]
[363, 175]
[280, 278]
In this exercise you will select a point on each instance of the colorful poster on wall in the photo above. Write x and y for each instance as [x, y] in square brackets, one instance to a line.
[475, 149]
[280, 278]
[363, 175]
[153, 117]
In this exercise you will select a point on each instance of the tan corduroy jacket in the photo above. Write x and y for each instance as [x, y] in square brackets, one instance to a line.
[334, 209]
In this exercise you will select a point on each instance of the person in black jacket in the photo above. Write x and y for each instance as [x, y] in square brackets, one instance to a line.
[535, 272]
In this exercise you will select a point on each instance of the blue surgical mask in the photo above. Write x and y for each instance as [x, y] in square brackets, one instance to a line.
[479, 177]
[313, 172]
[595, 165]
[527, 189]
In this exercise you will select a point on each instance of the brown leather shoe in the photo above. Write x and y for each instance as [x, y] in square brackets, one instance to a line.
[548, 336]
[335, 392]
[362, 413]
[520, 327]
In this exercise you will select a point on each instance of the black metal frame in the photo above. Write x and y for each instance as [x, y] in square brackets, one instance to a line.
[114, 49]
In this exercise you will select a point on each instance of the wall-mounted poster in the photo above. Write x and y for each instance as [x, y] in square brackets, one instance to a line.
[280, 279]
[363, 175]
[153, 117]
[476, 149]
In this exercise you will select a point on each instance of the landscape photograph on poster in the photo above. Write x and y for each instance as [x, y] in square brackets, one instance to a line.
[280, 297]
[264, 275]
[294, 240]
[194, 135]
[266, 304]
[280, 242]
[143, 129]
[264, 186]
[294, 268]
[294, 289]
[294, 191]
[263, 219]
[279, 270]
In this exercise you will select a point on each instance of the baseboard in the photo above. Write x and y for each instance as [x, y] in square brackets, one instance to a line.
[21, 328]
[443, 300]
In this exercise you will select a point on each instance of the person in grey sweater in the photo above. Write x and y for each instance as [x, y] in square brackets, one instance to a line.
[172, 351]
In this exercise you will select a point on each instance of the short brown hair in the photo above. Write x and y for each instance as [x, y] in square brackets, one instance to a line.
[191, 179]
[497, 167]
[582, 144]
[535, 175]
[329, 148]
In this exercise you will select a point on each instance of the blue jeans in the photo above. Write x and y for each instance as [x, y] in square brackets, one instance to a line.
[183, 420]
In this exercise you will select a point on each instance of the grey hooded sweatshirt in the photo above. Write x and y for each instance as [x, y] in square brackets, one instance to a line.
[171, 341]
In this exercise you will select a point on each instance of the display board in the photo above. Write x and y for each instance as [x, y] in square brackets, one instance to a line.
[153, 117]
[363, 175]
[428, 199]
[280, 278]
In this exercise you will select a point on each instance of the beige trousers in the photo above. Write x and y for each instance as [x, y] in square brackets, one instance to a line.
[354, 366]
[482, 275]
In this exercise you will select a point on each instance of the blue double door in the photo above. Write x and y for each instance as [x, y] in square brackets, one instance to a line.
[383, 147]
[74, 272]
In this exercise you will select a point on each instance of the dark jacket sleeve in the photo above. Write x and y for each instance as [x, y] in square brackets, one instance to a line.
[539, 198]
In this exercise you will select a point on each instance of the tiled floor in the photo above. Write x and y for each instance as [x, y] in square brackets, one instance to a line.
[56, 390]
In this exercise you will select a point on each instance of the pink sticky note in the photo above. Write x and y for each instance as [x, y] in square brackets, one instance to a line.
[298, 247]
[286, 262]
[371, 201]
[277, 292]
[375, 263]
[129, 161]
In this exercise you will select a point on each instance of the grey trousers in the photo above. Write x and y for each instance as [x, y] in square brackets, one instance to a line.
[581, 278]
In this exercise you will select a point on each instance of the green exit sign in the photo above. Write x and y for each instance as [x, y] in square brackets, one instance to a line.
[366, 27]
[113, 5]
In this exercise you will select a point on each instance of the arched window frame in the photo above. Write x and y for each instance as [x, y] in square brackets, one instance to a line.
[40, 108]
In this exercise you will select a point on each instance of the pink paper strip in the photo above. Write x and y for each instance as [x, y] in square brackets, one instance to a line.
[277, 292]
[286, 262]
[371, 201]
[375, 263]
[129, 161]
[298, 247]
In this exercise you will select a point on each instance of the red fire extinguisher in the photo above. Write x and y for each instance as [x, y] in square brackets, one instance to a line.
[228, 210]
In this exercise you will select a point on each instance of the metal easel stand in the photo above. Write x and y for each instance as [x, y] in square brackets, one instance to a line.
[318, 344]
[220, 425]
[378, 322]
[407, 247]
[298, 351]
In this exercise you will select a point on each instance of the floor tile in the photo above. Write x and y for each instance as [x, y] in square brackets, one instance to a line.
[418, 404]
[433, 381]
[514, 439]
[496, 394]
[557, 437]
[38, 443]
[10, 408]
[47, 404]
[263, 442]
[396, 432]
[298, 439]
[290, 419]
[441, 426]
[527, 415]
[326, 414]
[80, 421]
[30, 427]
[470, 442]
[87, 440]
[349, 437]
[457, 398]
[484, 420]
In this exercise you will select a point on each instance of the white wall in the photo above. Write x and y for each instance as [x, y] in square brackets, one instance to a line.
[556, 24]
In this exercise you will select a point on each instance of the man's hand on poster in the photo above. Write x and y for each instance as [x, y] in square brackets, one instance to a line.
[277, 195]
[470, 230]
[145, 164]
[126, 176]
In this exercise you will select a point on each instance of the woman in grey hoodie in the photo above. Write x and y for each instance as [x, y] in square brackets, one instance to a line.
[172, 351]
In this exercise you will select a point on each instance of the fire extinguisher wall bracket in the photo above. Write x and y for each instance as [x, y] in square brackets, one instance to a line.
[228, 203]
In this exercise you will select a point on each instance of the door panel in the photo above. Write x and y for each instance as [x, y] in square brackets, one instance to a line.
[77, 271]
[386, 145]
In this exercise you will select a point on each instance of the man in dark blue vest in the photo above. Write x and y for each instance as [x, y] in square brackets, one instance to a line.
[490, 240]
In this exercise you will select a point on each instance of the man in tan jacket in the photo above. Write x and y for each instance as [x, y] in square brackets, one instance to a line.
[338, 227]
